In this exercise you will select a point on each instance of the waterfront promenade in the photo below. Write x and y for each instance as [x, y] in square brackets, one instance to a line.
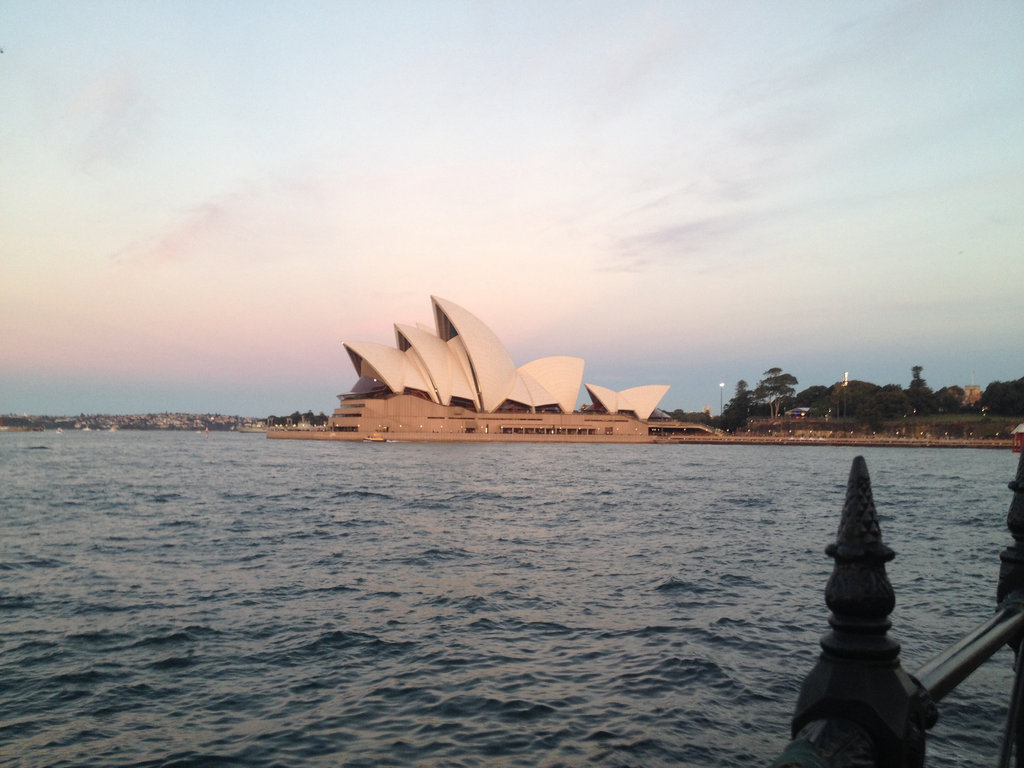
[702, 439]
[855, 440]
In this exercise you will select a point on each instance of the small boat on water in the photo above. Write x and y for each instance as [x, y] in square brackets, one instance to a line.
[376, 437]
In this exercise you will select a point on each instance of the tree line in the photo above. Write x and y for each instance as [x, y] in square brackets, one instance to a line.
[863, 401]
[297, 418]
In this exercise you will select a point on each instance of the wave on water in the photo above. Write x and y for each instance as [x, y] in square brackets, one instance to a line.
[359, 494]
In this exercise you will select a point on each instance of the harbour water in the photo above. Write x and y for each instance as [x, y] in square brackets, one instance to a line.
[172, 599]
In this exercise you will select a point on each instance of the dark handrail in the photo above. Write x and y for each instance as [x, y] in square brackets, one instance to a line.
[1011, 733]
[858, 708]
[946, 671]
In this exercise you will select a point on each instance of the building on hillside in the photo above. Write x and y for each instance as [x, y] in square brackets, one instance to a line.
[972, 394]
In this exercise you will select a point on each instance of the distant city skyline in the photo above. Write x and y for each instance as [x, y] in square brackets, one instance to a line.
[197, 210]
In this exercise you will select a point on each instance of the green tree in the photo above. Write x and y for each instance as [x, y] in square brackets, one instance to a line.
[680, 415]
[736, 411]
[920, 395]
[1004, 398]
[854, 399]
[775, 388]
[949, 400]
[817, 398]
[891, 402]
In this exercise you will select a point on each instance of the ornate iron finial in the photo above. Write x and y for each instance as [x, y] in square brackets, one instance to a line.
[859, 593]
[858, 675]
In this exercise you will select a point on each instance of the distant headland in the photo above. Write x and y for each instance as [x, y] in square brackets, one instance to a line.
[170, 422]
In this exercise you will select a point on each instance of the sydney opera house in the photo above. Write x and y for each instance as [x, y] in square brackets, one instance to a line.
[457, 382]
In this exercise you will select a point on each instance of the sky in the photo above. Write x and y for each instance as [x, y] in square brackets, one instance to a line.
[199, 201]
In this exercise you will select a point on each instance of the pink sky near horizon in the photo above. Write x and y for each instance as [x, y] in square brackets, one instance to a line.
[202, 207]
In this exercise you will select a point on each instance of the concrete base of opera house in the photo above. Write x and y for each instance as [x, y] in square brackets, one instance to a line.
[421, 437]
[409, 418]
[691, 439]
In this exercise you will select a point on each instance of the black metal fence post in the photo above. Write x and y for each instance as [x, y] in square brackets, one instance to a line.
[1010, 594]
[1011, 559]
[858, 707]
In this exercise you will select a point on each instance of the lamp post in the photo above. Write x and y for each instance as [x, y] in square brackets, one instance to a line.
[721, 397]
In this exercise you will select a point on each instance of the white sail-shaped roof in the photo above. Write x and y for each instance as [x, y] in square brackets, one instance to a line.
[397, 369]
[377, 361]
[436, 358]
[462, 373]
[415, 375]
[561, 376]
[528, 391]
[606, 398]
[491, 368]
[642, 400]
[414, 360]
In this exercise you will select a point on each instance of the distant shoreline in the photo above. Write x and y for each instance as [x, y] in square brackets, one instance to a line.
[873, 442]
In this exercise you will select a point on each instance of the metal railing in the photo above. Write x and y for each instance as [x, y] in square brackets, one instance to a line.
[858, 708]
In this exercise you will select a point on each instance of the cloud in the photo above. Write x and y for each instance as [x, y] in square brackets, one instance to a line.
[707, 226]
[256, 222]
[117, 117]
[690, 241]
[634, 72]
[184, 240]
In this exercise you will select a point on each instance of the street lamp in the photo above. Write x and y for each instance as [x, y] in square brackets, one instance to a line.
[721, 396]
